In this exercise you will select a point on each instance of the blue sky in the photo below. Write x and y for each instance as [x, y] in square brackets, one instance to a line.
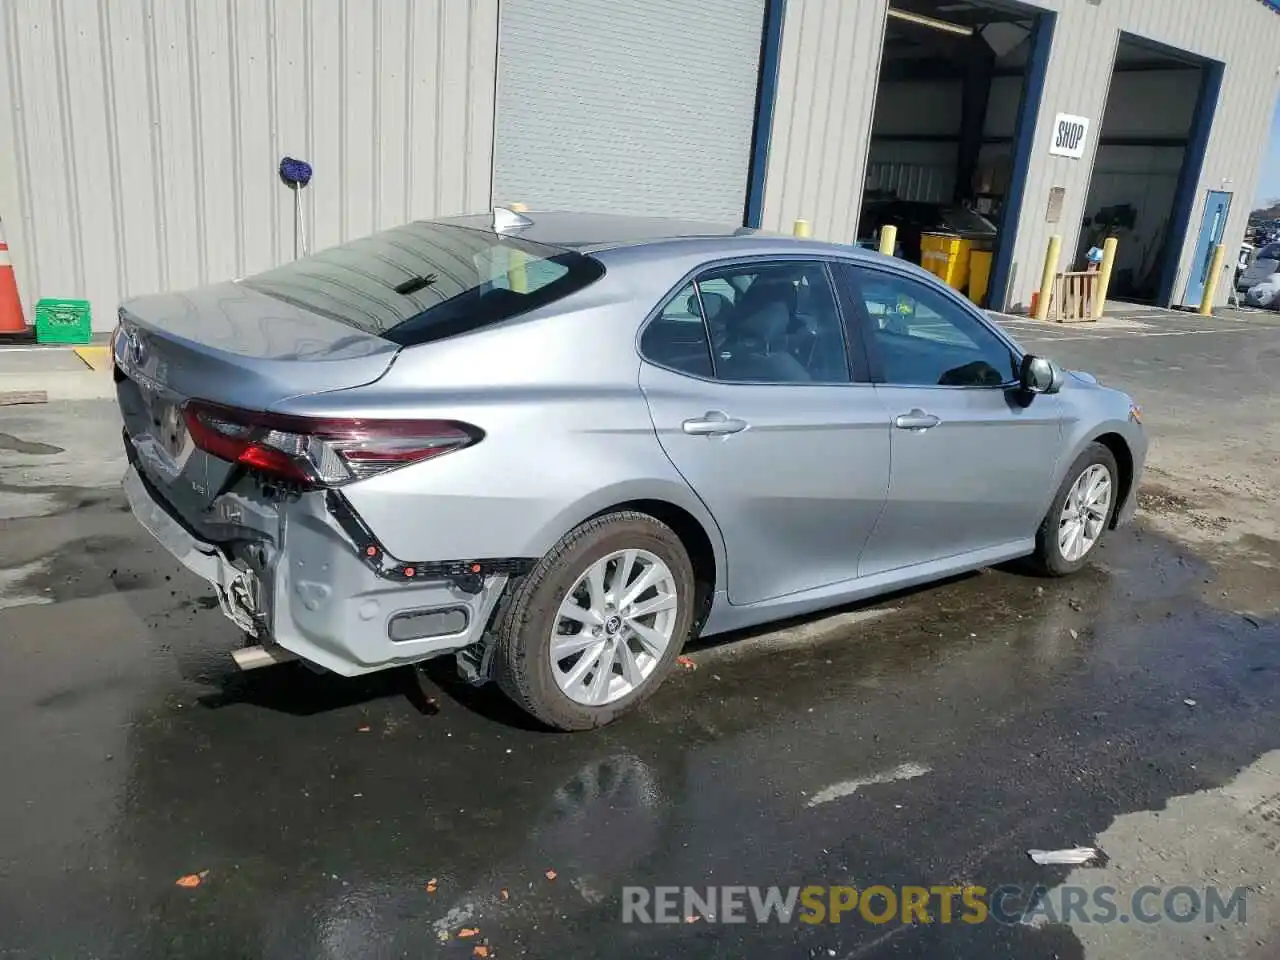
[1269, 179]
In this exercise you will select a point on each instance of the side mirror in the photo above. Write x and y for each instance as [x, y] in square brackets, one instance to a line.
[1040, 375]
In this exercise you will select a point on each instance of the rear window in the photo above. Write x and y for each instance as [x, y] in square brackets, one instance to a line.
[427, 281]
[1270, 252]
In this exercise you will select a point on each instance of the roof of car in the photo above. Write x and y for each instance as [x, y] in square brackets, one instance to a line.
[636, 240]
[593, 232]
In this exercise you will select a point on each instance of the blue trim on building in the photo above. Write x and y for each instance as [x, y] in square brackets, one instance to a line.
[766, 94]
[1023, 147]
[1187, 192]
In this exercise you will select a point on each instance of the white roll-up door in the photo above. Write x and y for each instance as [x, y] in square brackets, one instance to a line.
[633, 106]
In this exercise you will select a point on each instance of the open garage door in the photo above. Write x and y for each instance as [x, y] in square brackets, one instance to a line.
[1147, 158]
[643, 107]
[949, 107]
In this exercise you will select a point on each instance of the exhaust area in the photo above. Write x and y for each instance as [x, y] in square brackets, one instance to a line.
[255, 657]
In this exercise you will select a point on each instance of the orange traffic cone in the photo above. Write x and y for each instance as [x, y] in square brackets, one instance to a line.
[11, 320]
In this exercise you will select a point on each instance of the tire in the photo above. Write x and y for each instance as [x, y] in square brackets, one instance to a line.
[529, 614]
[1049, 558]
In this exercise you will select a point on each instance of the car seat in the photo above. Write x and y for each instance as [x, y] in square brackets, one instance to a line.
[756, 347]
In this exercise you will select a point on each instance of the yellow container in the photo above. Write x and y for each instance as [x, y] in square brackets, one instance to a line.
[979, 274]
[946, 257]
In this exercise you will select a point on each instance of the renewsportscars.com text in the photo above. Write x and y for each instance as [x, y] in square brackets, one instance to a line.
[945, 904]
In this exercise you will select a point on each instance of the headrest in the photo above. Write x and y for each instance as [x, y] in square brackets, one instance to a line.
[769, 288]
[767, 323]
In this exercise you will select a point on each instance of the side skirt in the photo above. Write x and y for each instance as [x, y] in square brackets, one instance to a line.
[725, 616]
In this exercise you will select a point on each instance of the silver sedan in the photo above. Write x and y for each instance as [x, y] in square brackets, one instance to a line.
[557, 446]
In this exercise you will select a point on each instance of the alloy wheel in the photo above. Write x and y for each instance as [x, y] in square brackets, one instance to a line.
[1085, 512]
[613, 627]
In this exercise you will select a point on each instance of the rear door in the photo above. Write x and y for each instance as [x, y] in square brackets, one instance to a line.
[767, 413]
[973, 462]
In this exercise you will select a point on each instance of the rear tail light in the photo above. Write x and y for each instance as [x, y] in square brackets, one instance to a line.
[318, 452]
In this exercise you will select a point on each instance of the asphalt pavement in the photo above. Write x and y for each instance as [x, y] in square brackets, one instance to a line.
[928, 738]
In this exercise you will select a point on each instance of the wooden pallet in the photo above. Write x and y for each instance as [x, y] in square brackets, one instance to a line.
[1073, 295]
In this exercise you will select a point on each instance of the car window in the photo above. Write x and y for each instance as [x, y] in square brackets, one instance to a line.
[677, 337]
[1270, 252]
[924, 339]
[774, 322]
[426, 281]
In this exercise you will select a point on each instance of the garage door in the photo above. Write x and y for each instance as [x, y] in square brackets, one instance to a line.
[635, 106]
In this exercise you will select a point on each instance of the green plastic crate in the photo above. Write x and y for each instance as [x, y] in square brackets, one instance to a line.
[63, 321]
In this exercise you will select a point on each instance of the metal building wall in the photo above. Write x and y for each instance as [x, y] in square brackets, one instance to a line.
[828, 69]
[139, 139]
[826, 92]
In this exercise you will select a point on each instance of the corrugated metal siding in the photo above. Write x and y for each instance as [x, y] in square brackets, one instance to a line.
[633, 106]
[141, 137]
[828, 75]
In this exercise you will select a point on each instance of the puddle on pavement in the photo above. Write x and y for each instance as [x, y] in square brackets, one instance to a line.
[87, 567]
[1038, 711]
[35, 447]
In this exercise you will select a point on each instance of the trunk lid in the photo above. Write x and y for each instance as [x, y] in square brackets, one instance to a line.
[231, 345]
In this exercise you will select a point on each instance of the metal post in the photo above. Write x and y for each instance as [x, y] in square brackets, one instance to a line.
[802, 229]
[518, 272]
[1104, 276]
[1047, 275]
[1211, 281]
[888, 239]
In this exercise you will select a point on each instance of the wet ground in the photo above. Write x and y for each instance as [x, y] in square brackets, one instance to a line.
[928, 738]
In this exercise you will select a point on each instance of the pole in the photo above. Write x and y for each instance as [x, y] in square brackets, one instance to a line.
[1046, 277]
[518, 274]
[802, 229]
[1211, 281]
[1104, 276]
[888, 239]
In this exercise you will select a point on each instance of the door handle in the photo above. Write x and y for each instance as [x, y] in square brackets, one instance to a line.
[713, 423]
[917, 419]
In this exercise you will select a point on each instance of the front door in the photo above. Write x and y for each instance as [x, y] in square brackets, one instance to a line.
[752, 390]
[972, 461]
[1212, 227]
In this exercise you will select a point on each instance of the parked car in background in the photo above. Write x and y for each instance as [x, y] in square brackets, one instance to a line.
[556, 446]
[1265, 263]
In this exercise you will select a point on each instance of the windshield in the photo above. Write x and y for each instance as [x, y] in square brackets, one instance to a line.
[426, 281]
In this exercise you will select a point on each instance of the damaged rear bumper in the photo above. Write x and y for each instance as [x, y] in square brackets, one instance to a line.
[327, 597]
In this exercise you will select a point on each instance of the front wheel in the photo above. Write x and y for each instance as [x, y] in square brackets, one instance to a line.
[594, 628]
[1080, 514]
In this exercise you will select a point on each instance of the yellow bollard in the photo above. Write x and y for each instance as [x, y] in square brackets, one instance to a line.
[1211, 281]
[1046, 277]
[517, 273]
[802, 229]
[1104, 276]
[888, 239]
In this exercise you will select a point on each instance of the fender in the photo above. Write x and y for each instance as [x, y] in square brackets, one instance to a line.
[1122, 428]
[675, 493]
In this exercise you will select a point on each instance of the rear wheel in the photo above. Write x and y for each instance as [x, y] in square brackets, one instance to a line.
[593, 629]
[1080, 513]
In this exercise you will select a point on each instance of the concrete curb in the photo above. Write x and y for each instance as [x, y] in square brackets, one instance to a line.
[53, 386]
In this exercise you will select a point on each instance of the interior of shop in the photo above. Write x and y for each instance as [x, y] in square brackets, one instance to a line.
[1142, 147]
[942, 144]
